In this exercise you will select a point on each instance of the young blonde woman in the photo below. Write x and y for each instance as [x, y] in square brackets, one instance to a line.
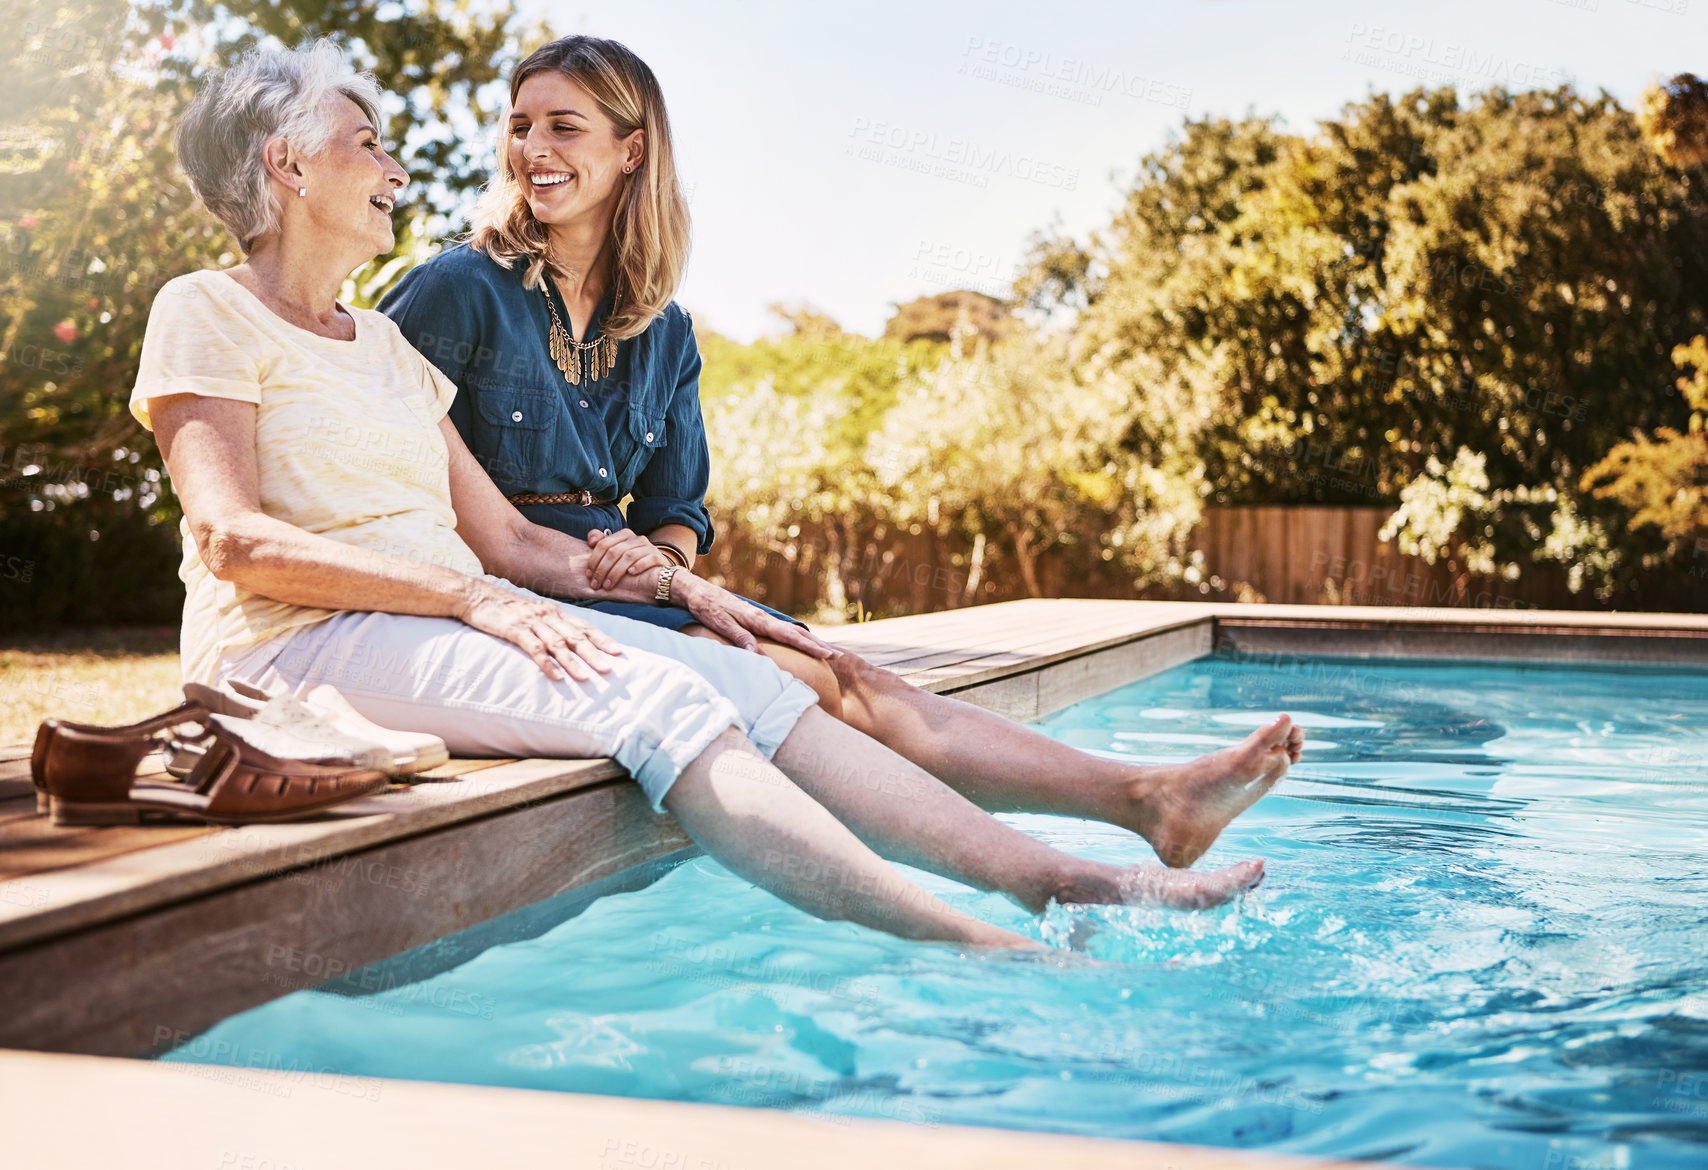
[577, 379]
[337, 530]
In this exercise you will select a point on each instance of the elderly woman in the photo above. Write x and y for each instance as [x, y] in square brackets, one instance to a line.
[578, 381]
[338, 531]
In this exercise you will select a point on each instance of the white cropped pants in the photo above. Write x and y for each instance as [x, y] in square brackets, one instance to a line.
[661, 705]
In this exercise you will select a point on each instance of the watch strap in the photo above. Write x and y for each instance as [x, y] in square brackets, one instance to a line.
[662, 596]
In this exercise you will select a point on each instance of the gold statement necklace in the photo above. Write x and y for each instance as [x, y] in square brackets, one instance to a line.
[567, 353]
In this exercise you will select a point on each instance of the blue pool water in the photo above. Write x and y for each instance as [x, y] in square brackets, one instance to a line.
[1483, 941]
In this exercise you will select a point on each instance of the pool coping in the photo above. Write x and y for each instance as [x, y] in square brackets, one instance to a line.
[167, 1117]
[115, 962]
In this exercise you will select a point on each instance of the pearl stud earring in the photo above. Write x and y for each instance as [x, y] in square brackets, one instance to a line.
[302, 191]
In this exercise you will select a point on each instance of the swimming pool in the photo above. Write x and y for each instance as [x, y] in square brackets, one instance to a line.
[1483, 941]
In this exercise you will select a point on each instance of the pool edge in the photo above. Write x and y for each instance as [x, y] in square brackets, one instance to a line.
[258, 1119]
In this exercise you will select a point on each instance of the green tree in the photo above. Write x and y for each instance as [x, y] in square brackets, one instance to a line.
[1335, 317]
[1001, 450]
[1663, 481]
[944, 317]
[95, 217]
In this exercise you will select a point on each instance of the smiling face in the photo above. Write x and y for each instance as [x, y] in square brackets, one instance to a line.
[352, 184]
[566, 154]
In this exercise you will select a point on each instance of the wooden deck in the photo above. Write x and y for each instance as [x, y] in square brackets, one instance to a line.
[118, 941]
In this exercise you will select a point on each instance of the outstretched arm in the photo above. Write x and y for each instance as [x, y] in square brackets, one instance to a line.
[556, 564]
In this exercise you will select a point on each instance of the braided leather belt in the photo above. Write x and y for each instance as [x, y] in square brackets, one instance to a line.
[583, 498]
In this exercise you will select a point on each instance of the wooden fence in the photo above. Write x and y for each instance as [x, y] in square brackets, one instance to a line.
[1310, 555]
[1285, 554]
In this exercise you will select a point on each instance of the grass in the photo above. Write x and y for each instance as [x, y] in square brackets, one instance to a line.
[92, 676]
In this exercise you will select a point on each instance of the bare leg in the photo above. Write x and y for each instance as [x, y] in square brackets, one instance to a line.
[748, 815]
[1003, 766]
[1007, 767]
[909, 816]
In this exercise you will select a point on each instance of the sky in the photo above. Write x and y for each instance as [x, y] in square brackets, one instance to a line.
[855, 156]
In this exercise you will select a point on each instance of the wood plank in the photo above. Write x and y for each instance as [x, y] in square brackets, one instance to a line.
[35, 845]
[971, 642]
[15, 782]
[31, 843]
[917, 629]
[120, 986]
[1035, 694]
[888, 644]
[1047, 650]
[451, 769]
[1021, 627]
[63, 900]
[1270, 544]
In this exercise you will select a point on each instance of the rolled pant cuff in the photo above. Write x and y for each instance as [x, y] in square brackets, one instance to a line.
[655, 770]
[778, 718]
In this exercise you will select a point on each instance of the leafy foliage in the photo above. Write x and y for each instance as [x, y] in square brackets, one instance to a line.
[1664, 480]
[1420, 285]
[95, 217]
[1674, 119]
[1454, 308]
[940, 318]
[824, 442]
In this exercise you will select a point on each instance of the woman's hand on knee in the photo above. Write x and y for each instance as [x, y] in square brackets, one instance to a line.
[618, 554]
[548, 632]
[740, 622]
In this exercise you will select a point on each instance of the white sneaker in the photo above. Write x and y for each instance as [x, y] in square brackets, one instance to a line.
[323, 713]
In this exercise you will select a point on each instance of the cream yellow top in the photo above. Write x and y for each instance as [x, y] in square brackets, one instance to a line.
[347, 443]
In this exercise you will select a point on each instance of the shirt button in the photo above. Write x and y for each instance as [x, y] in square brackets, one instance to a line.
[584, 402]
[515, 416]
[601, 473]
[649, 436]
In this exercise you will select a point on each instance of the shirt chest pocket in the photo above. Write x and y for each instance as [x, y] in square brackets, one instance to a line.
[515, 429]
[647, 434]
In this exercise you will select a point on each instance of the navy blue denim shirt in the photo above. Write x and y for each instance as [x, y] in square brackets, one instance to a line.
[636, 433]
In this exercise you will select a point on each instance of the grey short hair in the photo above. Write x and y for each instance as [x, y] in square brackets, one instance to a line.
[269, 93]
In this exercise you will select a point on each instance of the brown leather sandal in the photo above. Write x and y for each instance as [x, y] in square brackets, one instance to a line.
[90, 777]
[51, 729]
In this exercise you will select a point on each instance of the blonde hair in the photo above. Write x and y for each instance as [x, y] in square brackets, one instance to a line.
[651, 228]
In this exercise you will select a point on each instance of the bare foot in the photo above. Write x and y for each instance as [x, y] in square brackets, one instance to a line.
[1181, 809]
[1157, 885]
[1151, 884]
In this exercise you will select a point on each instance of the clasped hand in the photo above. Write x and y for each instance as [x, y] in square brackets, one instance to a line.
[622, 553]
[618, 554]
